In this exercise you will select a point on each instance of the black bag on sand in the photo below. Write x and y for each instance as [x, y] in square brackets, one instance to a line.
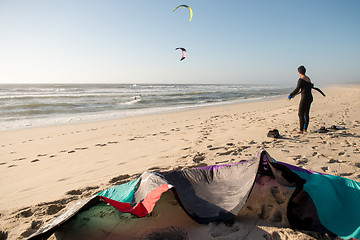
[273, 133]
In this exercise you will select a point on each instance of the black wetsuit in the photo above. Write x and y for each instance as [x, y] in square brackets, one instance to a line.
[305, 102]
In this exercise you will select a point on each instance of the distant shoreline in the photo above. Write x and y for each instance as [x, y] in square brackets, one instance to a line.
[110, 116]
[47, 105]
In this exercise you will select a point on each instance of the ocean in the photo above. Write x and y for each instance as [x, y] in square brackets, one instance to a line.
[32, 105]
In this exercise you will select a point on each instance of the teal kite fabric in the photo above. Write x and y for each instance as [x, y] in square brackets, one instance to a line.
[121, 193]
[337, 202]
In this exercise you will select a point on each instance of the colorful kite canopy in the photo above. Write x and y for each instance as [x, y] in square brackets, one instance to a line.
[186, 6]
[319, 202]
[184, 53]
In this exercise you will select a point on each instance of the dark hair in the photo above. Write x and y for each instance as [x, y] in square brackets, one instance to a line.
[302, 69]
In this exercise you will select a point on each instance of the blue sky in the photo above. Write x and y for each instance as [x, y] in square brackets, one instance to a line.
[231, 41]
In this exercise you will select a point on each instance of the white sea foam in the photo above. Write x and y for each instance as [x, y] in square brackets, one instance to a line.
[24, 106]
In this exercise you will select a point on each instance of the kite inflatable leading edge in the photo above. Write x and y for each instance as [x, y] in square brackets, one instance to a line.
[183, 53]
[186, 6]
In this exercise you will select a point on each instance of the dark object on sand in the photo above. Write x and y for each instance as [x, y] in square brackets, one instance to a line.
[333, 127]
[330, 129]
[323, 130]
[274, 133]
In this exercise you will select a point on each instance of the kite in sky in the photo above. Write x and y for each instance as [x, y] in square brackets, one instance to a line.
[186, 6]
[183, 50]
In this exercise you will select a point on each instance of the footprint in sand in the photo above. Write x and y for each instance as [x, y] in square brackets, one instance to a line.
[119, 178]
[345, 174]
[62, 179]
[341, 153]
[301, 161]
[214, 148]
[275, 192]
[185, 156]
[74, 192]
[198, 165]
[296, 157]
[87, 191]
[81, 148]
[277, 217]
[54, 208]
[265, 212]
[333, 161]
[35, 225]
[199, 157]
[25, 213]
[225, 153]
[154, 169]
[101, 145]
[221, 162]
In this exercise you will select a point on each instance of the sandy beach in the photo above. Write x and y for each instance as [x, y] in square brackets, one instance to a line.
[45, 170]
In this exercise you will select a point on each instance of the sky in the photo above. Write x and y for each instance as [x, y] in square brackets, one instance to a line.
[228, 41]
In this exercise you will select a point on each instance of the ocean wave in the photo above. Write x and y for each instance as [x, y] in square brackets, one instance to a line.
[46, 104]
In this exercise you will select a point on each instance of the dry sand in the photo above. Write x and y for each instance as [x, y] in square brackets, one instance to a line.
[45, 170]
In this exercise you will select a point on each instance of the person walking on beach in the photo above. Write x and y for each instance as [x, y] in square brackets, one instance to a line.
[304, 87]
